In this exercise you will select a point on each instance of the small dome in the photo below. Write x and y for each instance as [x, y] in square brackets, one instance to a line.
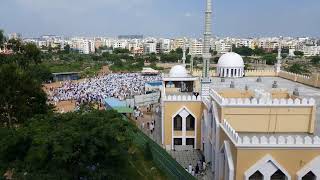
[178, 71]
[230, 60]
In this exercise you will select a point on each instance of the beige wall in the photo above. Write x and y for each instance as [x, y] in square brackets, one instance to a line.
[270, 119]
[232, 93]
[314, 80]
[262, 73]
[280, 94]
[292, 160]
[171, 108]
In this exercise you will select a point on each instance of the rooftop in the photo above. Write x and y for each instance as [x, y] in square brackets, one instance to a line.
[266, 85]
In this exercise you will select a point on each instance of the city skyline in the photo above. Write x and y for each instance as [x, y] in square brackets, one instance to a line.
[159, 18]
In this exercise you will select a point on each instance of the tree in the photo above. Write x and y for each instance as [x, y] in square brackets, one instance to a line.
[120, 51]
[270, 58]
[40, 72]
[298, 53]
[79, 145]
[67, 49]
[32, 52]
[15, 45]
[298, 69]
[21, 97]
[258, 51]
[315, 60]
[2, 38]
[243, 51]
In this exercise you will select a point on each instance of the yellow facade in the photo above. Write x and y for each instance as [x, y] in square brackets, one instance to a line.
[292, 160]
[171, 109]
[270, 119]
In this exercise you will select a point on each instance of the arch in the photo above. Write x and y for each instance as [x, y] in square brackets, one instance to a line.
[177, 123]
[190, 123]
[311, 167]
[256, 176]
[278, 175]
[309, 176]
[269, 167]
[225, 161]
[184, 112]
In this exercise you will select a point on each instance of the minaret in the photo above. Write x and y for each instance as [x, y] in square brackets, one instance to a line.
[184, 55]
[206, 55]
[279, 58]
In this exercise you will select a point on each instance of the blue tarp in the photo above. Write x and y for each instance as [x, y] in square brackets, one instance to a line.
[114, 102]
[117, 105]
[154, 83]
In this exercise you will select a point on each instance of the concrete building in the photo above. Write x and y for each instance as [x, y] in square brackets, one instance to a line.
[123, 44]
[196, 48]
[311, 50]
[251, 125]
[150, 47]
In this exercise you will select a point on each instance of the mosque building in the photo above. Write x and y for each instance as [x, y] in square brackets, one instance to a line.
[252, 125]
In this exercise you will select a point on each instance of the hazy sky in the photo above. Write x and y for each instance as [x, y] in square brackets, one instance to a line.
[167, 18]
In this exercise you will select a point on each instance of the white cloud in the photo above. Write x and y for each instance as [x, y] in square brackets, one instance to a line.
[187, 14]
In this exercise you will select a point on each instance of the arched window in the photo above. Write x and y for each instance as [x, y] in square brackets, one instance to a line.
[309, 176]
[278, 175]
[256, 176]
[177, 123]
[190, 122]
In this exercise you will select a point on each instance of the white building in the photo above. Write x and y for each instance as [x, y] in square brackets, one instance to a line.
[223, 47]
[120, 44]
[311, 50]
[196, 47]
[150, 47]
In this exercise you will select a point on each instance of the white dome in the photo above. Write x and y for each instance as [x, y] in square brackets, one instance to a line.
[230, 60]
[178, 71]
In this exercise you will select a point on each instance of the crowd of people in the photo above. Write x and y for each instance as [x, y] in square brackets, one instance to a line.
[121, 86]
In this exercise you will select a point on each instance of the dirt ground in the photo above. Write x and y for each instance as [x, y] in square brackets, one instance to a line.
[68, 106]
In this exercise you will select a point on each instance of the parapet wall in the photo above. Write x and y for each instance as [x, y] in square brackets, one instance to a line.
[262, 73]
[198, 73]
[260, 102]
[181, 98]
[308, 80]
[270, 141]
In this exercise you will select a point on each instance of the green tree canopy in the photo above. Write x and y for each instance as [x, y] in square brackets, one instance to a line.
[271, 59]
[258, 51]
[298, 53]
[298, 69]
[80, 145]
[32, 52]
[67, 49]
[120, 51]
[243, 51]
[15, 45]
[21, 96]
[315, 60]
[2, 38]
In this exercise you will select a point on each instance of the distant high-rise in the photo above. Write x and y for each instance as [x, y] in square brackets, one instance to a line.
[130, 37]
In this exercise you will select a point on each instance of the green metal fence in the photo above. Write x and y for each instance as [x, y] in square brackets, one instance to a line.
[161, 158]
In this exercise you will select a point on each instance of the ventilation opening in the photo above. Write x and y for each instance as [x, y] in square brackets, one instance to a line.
[309, 176]
[256, 176]
[278, 175]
